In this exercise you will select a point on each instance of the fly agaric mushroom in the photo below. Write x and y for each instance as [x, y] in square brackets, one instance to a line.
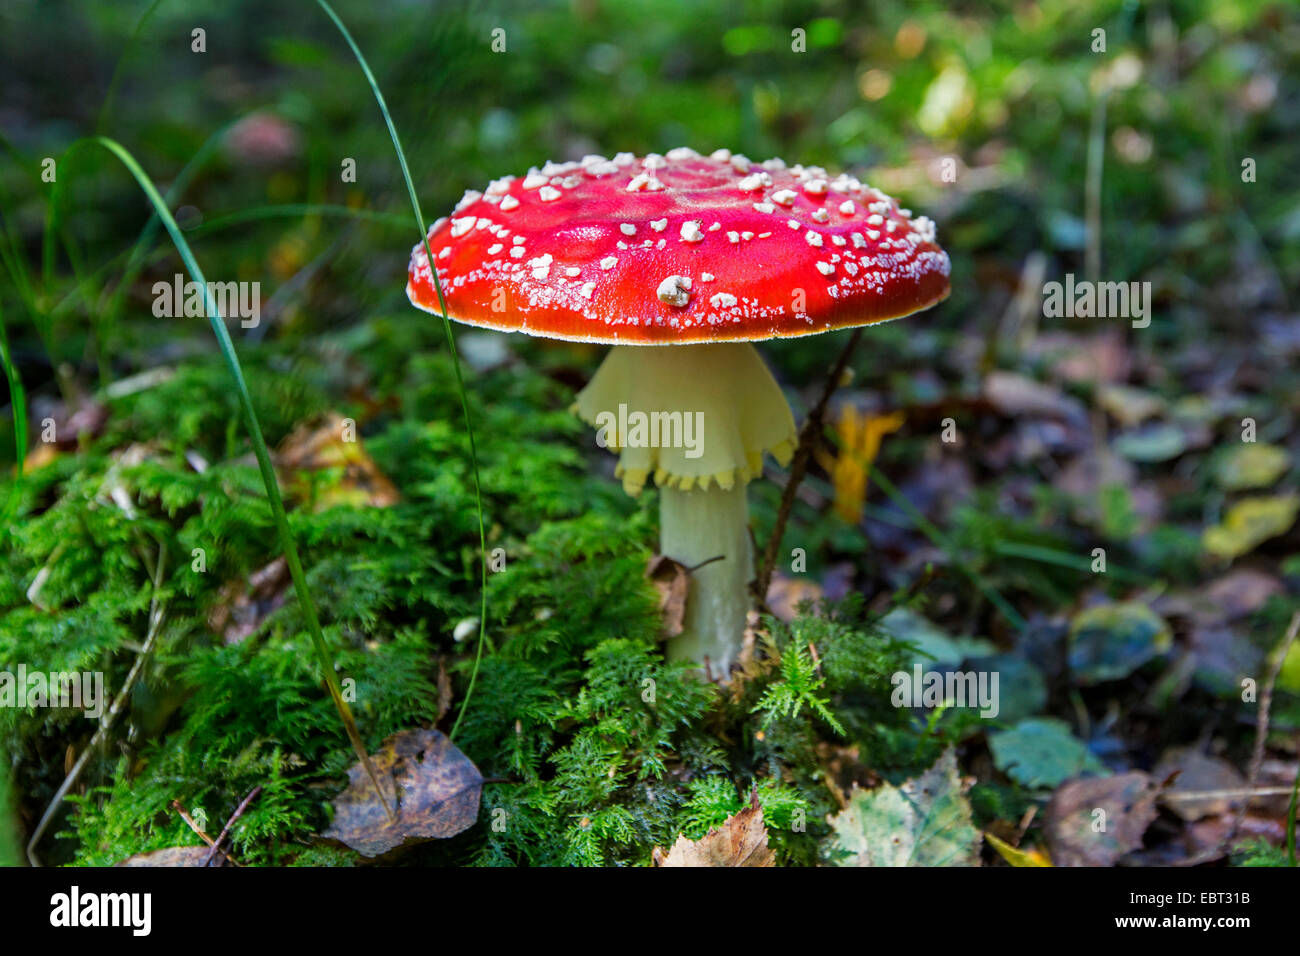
[706, 254]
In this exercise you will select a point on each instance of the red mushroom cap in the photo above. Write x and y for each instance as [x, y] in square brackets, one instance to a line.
[678, 249]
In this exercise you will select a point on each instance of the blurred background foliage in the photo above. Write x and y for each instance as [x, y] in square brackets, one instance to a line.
[1074, 433]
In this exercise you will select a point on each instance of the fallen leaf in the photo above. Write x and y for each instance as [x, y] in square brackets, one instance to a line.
[1022, 690]
[242, 606]
[925, 822]
[1251, 465]
[333, 445]
[1128, 405]
[1197, 772]
[1241, 592]
[431, 786]
[1015, 856]
[1099, 358]
[176, 856]
[1094, 822]
[1154, 442]
[1041, 752]
[933, 645]
[1249, 523]
[740, 841]
[1111, 641]
[859, 435]
[785, 594]
[673, 582]
[1016, 395]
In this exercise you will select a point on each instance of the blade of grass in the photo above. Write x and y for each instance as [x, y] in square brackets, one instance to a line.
[1045, 555]
[307, 605]
[18, 400]
[451, 347]
[139, 251]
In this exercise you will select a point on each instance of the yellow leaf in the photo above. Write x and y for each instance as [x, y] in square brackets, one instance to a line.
[327, 464]
[1249, 523]
[859, 443]
[1252, 465]
[1015, 857]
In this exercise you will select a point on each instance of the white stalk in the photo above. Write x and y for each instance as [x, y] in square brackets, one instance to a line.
[696, 526]
[696, 420]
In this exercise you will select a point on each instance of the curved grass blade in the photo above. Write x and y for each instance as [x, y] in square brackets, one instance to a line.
[219, 223]
[451, 347]
[307, 605]
[139, 251]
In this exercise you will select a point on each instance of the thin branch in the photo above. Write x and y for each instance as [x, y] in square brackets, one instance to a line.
[1261, 727]
[239, 812]
[808, 436]
[1229, 794]
[106, 724]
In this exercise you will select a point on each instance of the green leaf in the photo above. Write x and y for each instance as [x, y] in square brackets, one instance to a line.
[1022, 692]
[1111, 641]
[932, 643]
[1151, 443]
[1042, 753]
[925, 822]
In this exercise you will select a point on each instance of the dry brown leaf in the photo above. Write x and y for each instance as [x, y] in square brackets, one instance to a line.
[1241, 592]
[1094, 821]
[673, 582]
[785, 594]
[333, 444]
[740, 841]
[1198, 773]
[1018, 395]
[433, 788]
[242, 606]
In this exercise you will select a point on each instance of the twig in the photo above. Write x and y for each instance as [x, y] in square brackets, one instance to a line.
[239, 812]
[812, 427]
[1261, 728]
[1228, 794]
[106, 724]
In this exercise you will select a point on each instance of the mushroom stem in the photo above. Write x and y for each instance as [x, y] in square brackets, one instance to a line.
[699, 526]
[697, 420]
